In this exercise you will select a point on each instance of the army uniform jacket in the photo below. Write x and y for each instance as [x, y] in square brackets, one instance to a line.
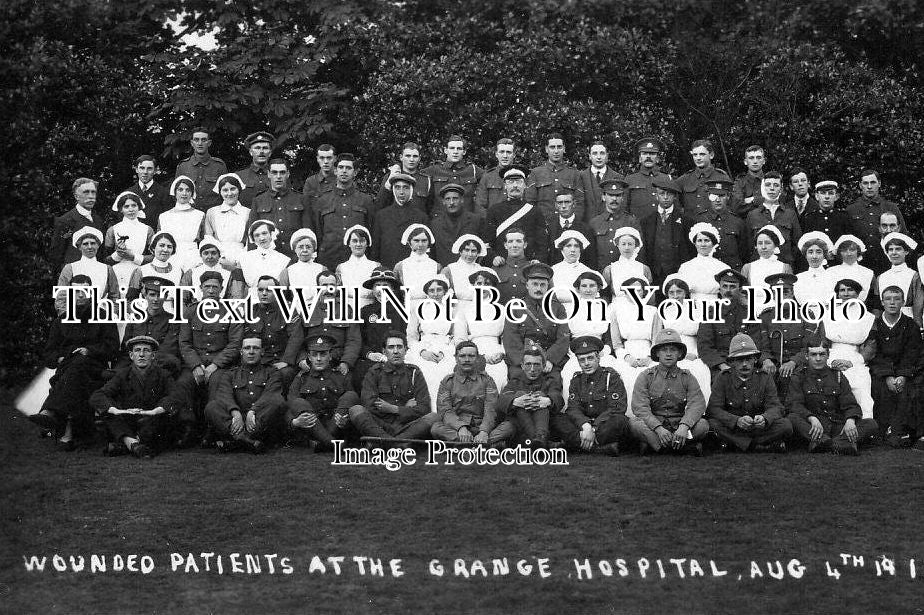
[397, 384]
[553, 338]
[734, 244]
[532, 223]
[322, 389]
[165, 332]
[792, 336]
[246, 388]
[203, 343]
[468, 401]
[490, 190]
[694, 196]
[733, 398]
[824, 394]
[284, 208]
[547, 384]
[597, 397]
[256, 181]
[281, 340]
[603, 228]
[204, 171]
[670, 396]
[420, 197]
[643, 199]
[786, 220]
[548, 180]
[334, 212]
[463, 173]
[713, 339]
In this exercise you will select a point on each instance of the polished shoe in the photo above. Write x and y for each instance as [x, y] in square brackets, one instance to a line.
[850, 449]
[775, 447]
[46, 420]
[115, 449]
[820, 446]
[141, 451]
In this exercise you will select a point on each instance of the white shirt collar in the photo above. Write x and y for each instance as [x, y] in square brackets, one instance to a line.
[146, 186]
[83, 211]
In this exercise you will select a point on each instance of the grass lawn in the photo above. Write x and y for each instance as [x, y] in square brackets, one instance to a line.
[731, 509]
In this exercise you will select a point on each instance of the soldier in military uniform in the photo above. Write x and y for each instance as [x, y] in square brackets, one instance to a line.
[515, 212]
[409, 164]
[157, 325]
[256, 176]
[280, 340]
[453, 171]
[734, 243]
[136, 402]
[747, 185]
[744, 409]
[457, 222]
[826, 217]
[281, 205]
[466, 403]
[642, 198]
[667, 402]
[595, 420]
[822, 408]
[511, 279]
[530, 397]
[247, 405]
[322, 181]
[374, 329]
[389, 223]
[786, 341]
[203, 168]
[694, 195]
[205, 348]
[490, 190]
[337, 210]
[864, 213]
[156, 196]
[395, 400]
[770, 211]
[320, 399]
[604, 226]
[713, 339]
[347, 338]
[554, 177]
[536, 327]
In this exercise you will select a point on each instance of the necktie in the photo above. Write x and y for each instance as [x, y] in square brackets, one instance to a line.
[566, 225]
[599, 176]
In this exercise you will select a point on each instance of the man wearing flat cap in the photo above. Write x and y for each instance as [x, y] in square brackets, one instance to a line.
[614, 216]
[537, 328]
[455, 223]
[137, 402]
[157, 325]
[515, 212]
[337, 210]
[203, 168]
[319, 399]
[664, 233]
[744, 409]
[554, 177]
[247, 405]
[281, 205]
[734, 243]
[389, 224]
[408, 164]
[713, 339]
[595, 420]
[82, 214]
[256, 176]
[530, 397]
[667, 402]
[641, 195]
[454, 170]
[694, 196]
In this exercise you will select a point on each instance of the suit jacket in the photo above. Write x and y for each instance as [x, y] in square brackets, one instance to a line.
[62, 248]
[553, 228]
[663, 263]
[810, 205]
[157, 200]
[593, 195]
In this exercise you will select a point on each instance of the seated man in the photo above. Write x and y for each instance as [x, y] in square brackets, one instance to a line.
[280, 341]
[744, 409]
[530, 397]
[136, 402]
[596, 417]
[347, 337]
[667, 402]
[78, 352]
[248, 403]
[395, 399]
[466, 403]
[893, 368]
[319, 400]
[822, 407]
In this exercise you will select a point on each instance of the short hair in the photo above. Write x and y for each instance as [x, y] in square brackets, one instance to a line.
[281, 161]
[797, 171]
[267, 277]
[326, 147]
[325, 273]
[596, 143]
[81, 278]
[703, 143]
[869, 171]
[505, 141]
[554, 135]
[409, 145]
[143, 158]
[200, 128]
[888, 213]
[773, 175]
[346, 158]
[466, 344]
[816, 341]
[754, 148]
[532, 350]
[892, 289]
[565, 192]
[514, 229]
[394, 333]
[456, 138]
[83, 180]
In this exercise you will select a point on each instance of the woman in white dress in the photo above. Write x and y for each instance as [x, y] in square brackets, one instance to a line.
[183, 222]
[897, 247]
[228, 222]
[571, 244]
[430, 336]
[593, 317]
[628, 241]
[700, 271]
[485, 333]
[678, 290]
[418, 268]
[127, 240]
[303, 273]
[631, 335]
[358, 268]
[262, 260]
[162, 266]
[210, 255]
[849, 250]
[849, 342]
[469, 248]
[815, 283]
[88, 240]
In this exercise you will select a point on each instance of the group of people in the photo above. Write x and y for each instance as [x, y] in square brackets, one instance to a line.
[612, 374]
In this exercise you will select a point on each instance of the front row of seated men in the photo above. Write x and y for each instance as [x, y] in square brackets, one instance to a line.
[144, 407]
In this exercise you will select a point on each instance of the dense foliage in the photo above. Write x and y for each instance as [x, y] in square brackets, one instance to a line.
[829, 85]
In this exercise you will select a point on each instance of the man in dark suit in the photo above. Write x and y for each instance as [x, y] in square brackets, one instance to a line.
[563, 220]
[664, 233]
[801, 198]
[156, 197]
[592, 177]
[62, 251]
